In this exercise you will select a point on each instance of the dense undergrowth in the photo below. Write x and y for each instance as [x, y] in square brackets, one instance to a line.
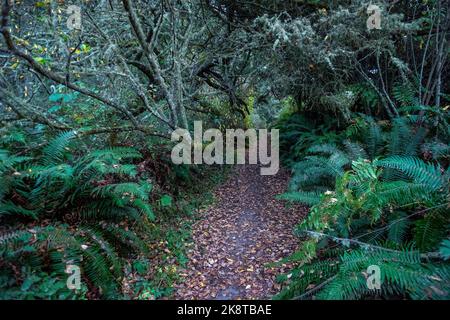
[100, 210]
[379, 196]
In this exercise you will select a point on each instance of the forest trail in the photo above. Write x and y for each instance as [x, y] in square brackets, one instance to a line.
[237, 237]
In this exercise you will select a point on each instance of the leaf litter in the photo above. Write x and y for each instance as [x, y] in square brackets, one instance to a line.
[235, 239]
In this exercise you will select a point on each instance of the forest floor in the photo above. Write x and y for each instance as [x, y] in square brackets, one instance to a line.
[238, 236]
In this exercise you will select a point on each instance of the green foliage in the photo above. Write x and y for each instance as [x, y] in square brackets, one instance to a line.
[99, 211]
[404, 94]
[445, 249]
[403, 272]
[166, 201]
[430, 231]
[345, 277]
[323, 163]
[298, 133]
[368, 96]
[429, 175]
[390, 211]
[309, 198]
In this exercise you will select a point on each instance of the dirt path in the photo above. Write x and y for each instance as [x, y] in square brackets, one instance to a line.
[246, 229]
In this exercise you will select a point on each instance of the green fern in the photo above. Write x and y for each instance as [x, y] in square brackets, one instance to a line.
[405, 94]
[57, 148]
[430, 231]
[309, 198]
[365, 210]
[103, 194]
[430, 175]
